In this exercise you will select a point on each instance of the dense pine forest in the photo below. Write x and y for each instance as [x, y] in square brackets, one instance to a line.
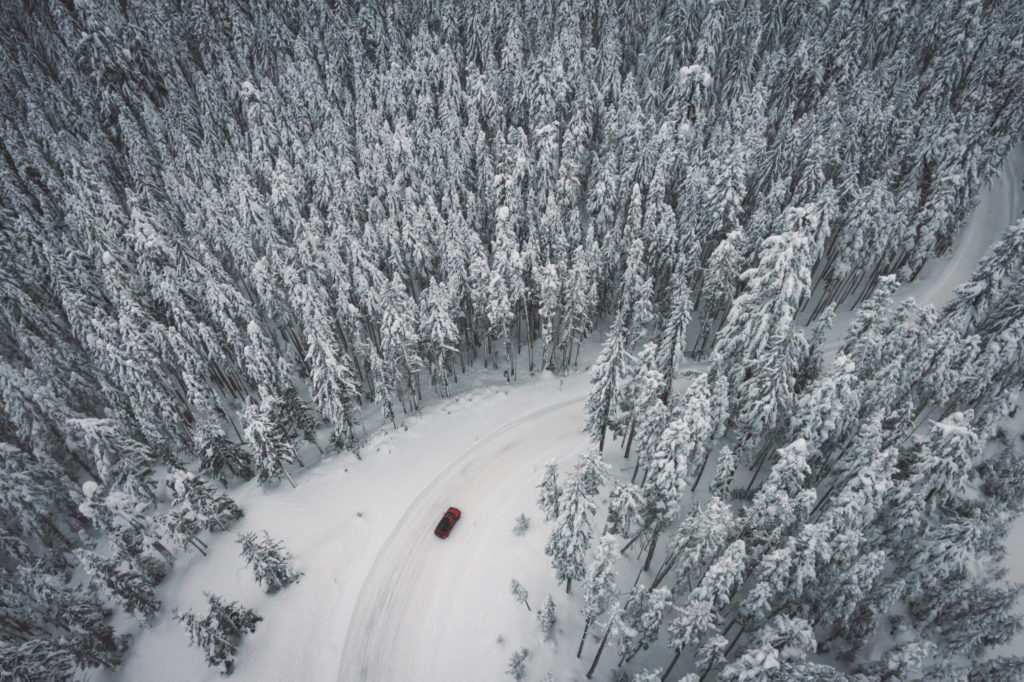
[228, 224]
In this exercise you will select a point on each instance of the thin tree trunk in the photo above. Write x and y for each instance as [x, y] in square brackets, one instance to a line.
[600, 650]
[650, 552]
[700, 472]
[629, 441]
[630, 543]
[738, 635]
[664, 675]
[583, 639]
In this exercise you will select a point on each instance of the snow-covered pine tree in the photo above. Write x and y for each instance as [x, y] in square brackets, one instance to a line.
[721, 278]
[121, 583]
[67, 624]
[696, 621]
[698, 539]
[608, 378]
[639, 621]
[570, 539]
[550, 492]
[439, 333]
[268, 438]
[517, 665]
[780, 646]
[725, 469]
[519, 593]
[625, 502]
[191, 494]
[220, 457]
[547, 619]
[269, 560]
[220, 631]
[36, 503]
[598, 585]
[758, 348]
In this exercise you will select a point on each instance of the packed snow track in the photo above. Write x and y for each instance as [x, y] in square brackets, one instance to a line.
[414, 604]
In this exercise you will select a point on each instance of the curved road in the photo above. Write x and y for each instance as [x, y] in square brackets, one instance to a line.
[405, 601]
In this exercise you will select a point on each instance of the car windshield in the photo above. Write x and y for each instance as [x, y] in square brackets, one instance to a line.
[445, 522]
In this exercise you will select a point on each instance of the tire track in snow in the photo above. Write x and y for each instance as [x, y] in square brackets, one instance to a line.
[400, 607]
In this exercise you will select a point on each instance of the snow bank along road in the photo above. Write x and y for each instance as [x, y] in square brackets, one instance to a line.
[419, 593]
[420, 597]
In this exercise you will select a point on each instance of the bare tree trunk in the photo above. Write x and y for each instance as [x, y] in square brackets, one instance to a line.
[664, 675]
[629, 441]
[650, 551]
[583, 639]
[600, 650]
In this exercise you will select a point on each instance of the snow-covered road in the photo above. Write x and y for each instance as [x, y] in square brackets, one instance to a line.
[420, 605]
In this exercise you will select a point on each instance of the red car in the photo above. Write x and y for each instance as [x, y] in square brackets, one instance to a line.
[447, 522]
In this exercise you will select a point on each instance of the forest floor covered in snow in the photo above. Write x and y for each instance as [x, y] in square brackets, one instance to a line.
[382, 599]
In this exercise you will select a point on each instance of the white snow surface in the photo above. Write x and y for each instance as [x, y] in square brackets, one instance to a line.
[384, 600]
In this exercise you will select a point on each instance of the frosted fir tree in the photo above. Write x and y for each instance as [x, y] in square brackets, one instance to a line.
[667, 477]
[599, 588]
[672, 338]
[43, 612]
[694, 622]
[300, 420]
[639, 621]
[268, 438]
[625, 503]
[269, 560]
[550, 492]
[943, 469]
[644, 399]
[440, 334]
[724, 576]
[547, 619]
[993, 276]
[608, 379]
[332, 382]
[720, 280]
[519, 593]
[123, 461]
[825, 413]
[385, 390]
[35, 496]
[725, 469]
[710, 655]
[522, 525]
[700, 417]
[810, 368]
[123, 584]
[191, 494]
[591, 471]
[517, 665]
[38, 658]
[220, 457]
[220, 631]
[755, 346]
[182, 528]
[122, 517]
[570, 539]
[260, 362]
[699, 538]
[783, 643]
[636, 290]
